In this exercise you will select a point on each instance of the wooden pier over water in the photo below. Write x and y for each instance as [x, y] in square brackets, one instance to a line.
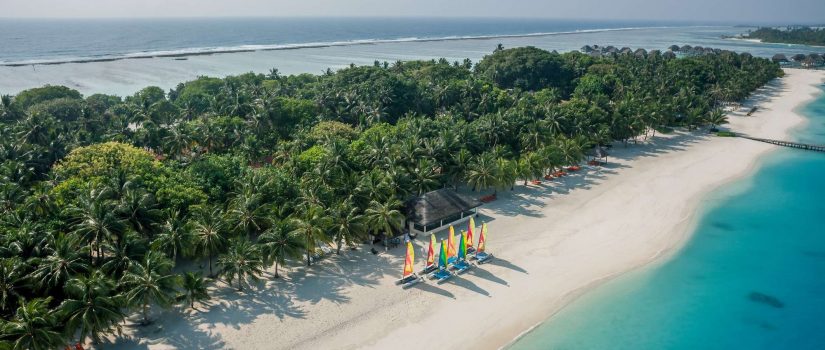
[816, 148]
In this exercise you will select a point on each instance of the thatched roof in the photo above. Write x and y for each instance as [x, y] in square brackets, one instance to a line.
[779, 58]
[434, 206]
[654, 53]
[798, 57]
[640, 53]
[673, 48]
[669, 54]
[686, 48]
[815, 57]
[586, 49]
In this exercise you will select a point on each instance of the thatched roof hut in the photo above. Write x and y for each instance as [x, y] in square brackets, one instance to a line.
[798, 57]
[669, 54]
[626, 50]
[640, 53]
[745, 55]
[815, 57]
[698, 49]
[595, 54]
[686, 48]
[586, 49]
[779, 58]
[654, 53]
[611, 49]
[439, 207]
[673, 48]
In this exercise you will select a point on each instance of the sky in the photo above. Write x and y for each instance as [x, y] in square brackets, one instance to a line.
[730, 11]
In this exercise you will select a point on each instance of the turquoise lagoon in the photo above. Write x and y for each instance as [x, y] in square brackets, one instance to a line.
[752, 276]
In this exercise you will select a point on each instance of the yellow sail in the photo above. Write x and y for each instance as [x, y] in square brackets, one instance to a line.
[408, 262]
[470, 228]
[451, 251]
[431, 251]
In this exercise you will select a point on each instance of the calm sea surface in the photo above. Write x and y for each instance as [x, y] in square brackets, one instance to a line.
[127, 55]
[751, 277]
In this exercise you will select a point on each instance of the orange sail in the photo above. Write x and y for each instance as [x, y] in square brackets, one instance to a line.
[470, 227]
[408, 262]
[431, 251]
[482, 238]
[451, 243]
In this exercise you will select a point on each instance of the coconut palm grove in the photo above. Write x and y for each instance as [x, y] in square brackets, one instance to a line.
[120, 208]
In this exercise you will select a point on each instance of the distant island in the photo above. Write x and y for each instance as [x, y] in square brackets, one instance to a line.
[790, 35]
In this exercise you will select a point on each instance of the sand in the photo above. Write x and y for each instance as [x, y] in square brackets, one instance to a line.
[552, 242]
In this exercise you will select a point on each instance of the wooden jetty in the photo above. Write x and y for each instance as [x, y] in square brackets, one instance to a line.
[797, 145]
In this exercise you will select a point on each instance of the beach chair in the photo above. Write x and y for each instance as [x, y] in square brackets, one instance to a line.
[441, 275]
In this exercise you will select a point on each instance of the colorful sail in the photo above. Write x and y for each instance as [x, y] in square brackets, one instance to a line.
[462, 247]
[482, 238]
[470, 227]
[409, 261]
[431, 251]
[442, 256]
[451, 243]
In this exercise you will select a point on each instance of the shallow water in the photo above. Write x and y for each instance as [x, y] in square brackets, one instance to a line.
[315, 46]
[751, 276]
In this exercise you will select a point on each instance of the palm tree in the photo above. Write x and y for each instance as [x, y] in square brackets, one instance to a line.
[65, 259]
[92, 309]
[384, 217]
[250, 214]
[34, 327]
[423, 176]
[94, 219]
[310, 224]
[150, 282]
[208, 233]
[174, 237]
[242, 261]
[347, 224]
[138, 209]
[279, 243]
[194, 289]
[11, 273]
[716, 117]
[481, 174]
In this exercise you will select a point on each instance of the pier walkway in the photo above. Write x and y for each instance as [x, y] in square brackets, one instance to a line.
[816, 148]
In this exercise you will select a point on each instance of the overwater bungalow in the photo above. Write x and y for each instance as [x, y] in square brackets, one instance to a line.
[779, 58]
[798, 57]
[587, 49]
[673, 48]
[686, 48]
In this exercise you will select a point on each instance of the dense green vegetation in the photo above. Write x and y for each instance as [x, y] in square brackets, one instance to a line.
[803, 35]
[102, 197]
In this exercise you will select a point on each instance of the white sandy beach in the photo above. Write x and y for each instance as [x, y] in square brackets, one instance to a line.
[551, 243]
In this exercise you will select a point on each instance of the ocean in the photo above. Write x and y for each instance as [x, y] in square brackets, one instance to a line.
[122, 56]
[750, 277]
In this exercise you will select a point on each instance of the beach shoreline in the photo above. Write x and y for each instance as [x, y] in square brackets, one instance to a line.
[552, 243]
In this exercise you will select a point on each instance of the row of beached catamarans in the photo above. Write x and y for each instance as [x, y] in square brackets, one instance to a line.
[452, 259]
